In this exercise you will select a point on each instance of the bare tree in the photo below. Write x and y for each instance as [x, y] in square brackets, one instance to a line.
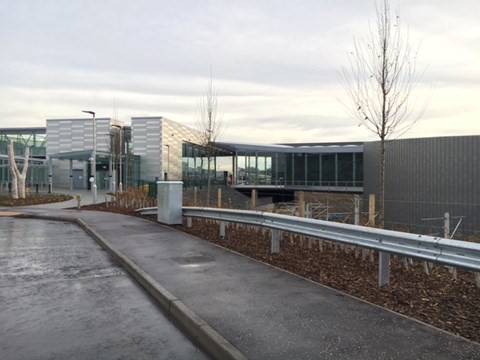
[379, 81]
[210, 125]
[114, 145]
[18, 178]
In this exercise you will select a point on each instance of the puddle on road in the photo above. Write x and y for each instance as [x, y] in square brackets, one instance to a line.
[194, 260]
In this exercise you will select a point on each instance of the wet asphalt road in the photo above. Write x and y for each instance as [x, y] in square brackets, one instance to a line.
[62, 297]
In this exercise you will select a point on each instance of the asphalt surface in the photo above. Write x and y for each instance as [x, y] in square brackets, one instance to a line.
[62, 297]
[264, 312]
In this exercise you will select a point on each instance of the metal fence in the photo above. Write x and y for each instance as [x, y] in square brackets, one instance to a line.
[448, 252]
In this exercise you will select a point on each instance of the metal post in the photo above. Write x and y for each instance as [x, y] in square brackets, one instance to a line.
[222, 229]
[167, 173]
[446, 228]
[120, 181]
[357, 209]
[50, 176]
[275, 241]
[71, 174]
[383, 268]
[110, 174]
[253, 201]
[93, 170]
[94, 173]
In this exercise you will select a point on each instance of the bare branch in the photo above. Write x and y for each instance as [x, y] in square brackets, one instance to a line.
[209, 124]
[379, 81]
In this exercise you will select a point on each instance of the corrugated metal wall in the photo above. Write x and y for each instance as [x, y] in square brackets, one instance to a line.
[424, 179]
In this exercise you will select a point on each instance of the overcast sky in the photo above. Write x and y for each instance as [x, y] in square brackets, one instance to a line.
[275, 63]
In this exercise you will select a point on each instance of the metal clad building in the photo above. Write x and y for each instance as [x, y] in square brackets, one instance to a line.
[158, 141]
[75, 135]
[425, 178]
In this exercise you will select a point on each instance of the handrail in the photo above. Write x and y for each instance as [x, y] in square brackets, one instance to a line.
[448, 252]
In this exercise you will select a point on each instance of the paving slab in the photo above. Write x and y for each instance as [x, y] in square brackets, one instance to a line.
[267, 313]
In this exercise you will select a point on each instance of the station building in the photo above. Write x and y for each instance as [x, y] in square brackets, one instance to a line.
[156, 148]
[425, 177]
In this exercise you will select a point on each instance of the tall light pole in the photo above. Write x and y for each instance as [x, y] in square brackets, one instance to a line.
[93, 163]
[120, 184]
[167, 174]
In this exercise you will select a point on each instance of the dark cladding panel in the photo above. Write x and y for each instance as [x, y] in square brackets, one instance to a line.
[426, 178]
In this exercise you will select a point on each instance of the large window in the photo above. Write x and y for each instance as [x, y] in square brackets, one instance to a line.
[252, 167]
[313, 170]
[328, 170]
[345, 169]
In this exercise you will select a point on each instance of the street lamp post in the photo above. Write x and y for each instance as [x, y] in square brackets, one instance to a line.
[93, 163]
[120, 184]
[167, 174]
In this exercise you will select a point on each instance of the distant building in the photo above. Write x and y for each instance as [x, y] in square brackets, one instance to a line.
[425, 177]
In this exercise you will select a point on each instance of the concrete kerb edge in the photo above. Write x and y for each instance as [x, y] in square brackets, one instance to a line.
[212, 341]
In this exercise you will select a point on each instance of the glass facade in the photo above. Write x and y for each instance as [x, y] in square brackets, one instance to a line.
[326, 167]
[300, 169]
[34, 138]
[130, 162]
[317, 166]
[195, 166]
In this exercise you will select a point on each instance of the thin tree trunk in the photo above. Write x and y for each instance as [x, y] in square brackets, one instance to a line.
[208, 182]
[14, 186]
[18, 178]
[21, 186]
[381, 197]
[21, 177]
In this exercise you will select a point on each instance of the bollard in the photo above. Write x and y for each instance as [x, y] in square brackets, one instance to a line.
[9, 186]
[36, 188]
[79, 199]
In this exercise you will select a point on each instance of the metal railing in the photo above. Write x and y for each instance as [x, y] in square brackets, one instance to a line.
[448, 252]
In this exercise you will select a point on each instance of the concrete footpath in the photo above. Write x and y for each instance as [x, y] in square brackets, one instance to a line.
[237, 307]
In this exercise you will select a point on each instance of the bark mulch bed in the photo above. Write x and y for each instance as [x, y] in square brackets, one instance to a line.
[33, 199]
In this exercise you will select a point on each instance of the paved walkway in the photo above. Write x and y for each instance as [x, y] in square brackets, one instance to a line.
[264, 312]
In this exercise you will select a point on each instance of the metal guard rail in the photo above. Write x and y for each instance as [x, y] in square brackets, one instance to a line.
[455, 253]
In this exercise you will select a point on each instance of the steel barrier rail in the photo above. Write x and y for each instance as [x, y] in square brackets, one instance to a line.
[448, 252]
